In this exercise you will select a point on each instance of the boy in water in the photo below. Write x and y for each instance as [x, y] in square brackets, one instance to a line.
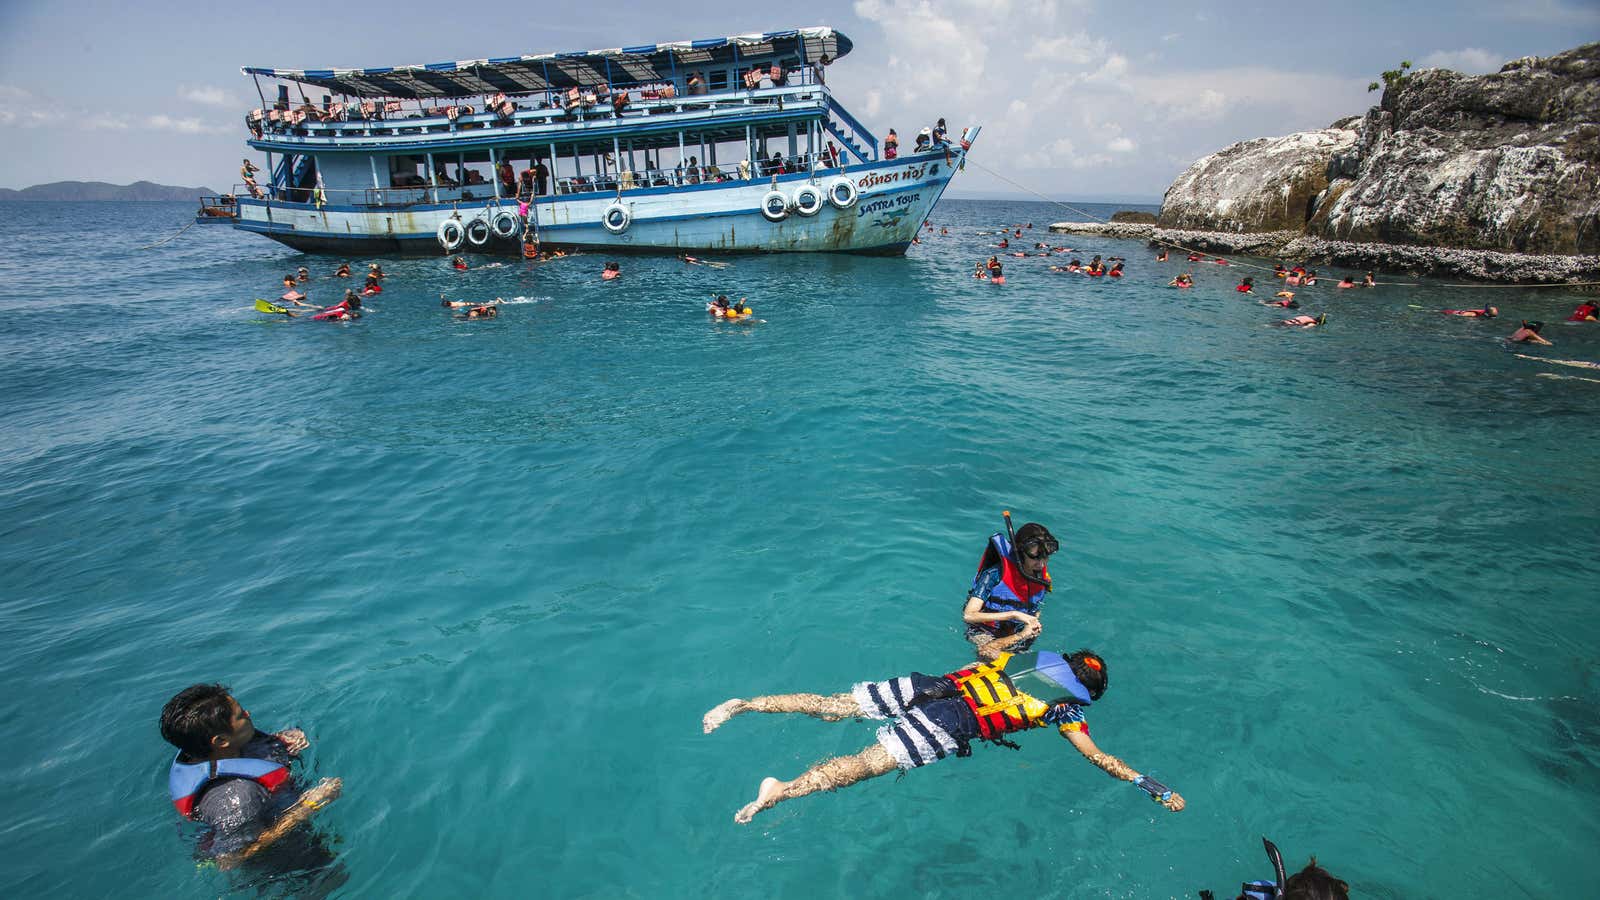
[235, 779]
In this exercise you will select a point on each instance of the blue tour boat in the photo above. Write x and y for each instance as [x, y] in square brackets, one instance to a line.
[730, 144]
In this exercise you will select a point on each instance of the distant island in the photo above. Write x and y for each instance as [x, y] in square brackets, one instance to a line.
[99, 190]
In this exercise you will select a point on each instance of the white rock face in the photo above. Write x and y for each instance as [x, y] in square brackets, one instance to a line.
[1266, 184]
[1508, 161]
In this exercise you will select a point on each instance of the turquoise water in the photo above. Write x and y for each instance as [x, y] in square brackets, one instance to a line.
[1344, 579]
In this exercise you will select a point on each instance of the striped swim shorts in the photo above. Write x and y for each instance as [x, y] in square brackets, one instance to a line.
[918, 733]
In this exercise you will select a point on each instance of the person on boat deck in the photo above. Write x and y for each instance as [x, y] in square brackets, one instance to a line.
[1247, 286]
[441, 177]
[929, 718]
[508, 177]
[233, 779]
[696, 86]
[778, 167]
[1002, 608]
[778, 76]
[1487, 312]
[1529, 334]
[541, 176]
[248, 172]
[891, 145]
[343, 272]
[939, 135]
[924, 140]
[1587, 311]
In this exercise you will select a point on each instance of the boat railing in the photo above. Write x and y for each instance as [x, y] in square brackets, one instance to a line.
[394, 117]
[422, 193]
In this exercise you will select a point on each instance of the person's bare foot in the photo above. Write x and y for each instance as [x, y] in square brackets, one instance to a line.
[720, 713]
[766, 798]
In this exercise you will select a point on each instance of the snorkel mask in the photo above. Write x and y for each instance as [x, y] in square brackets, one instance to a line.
[1036, 542]
[1051, 676]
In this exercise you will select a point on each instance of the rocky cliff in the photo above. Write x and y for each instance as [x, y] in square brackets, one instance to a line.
[1508, 161]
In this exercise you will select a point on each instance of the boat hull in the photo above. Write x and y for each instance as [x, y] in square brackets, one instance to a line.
[892, 200]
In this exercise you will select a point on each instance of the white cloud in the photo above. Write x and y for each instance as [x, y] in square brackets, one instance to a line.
[205, 94]
[1122, 145]
[1546, 12]
[1470, 60]
[162, 122]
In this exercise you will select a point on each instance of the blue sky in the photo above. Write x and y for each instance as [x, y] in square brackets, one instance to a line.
[1087, 99]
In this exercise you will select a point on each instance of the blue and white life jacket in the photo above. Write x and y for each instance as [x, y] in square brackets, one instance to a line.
[187, 781]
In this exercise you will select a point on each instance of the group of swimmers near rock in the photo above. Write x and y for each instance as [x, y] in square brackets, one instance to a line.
[1529, 331]
[240, 786]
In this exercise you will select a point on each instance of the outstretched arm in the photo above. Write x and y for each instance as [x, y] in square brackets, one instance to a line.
[325, 792]
[1112, 766]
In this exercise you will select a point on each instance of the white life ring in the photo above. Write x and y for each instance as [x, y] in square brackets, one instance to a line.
[616, 217]
[775, 206]
[842, 193]
[807, 200]
[478, 232]
[450, 234]
[505, 224]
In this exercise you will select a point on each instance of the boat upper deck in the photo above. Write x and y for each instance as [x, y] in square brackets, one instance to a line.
[773, 77]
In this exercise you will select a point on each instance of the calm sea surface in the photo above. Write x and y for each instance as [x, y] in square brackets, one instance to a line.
[1345, 579]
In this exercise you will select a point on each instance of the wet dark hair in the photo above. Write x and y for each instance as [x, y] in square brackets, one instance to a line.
[1249, 281]
[1032, 531]
[1093, 675]
[1534, 327]
[194, 716]
[443, 302]
[1292, 304]
[1314, 883]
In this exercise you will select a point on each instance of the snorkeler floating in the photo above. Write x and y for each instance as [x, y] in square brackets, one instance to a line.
[1002, 607]
[934, 717]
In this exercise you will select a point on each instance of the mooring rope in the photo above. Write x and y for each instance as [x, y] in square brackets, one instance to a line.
[160, 242]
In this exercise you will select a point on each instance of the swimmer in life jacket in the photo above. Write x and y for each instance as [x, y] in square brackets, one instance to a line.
[996, 273]
[943, 230]
[1182, 281]
[293, 294]
[1278, 271]
[1115, 271]
[1587, 311]
[375, 271]
[1196, 257]
[1247, 286]
[1369, 281]
[1309, 278]
[611, 270]
[371, 287]
[343, 271]
[460, 264]
[465, 304]
[1002, 607]
[343, 311]
[930, 718]
[1487, 312]
[1349, 281]
[1303, 321]
[482, 311]
[980, 273]
[1162, 256]
[1529, 334]
[1311, 883]
[1285, 299]
[1004, 243]
[1221, 262]
[302, 275]
[233, 779]
[1292, 279]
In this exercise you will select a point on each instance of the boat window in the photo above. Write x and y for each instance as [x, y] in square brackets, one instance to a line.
[717, 79]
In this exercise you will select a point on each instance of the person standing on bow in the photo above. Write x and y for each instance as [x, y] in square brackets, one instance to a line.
[1002, 610]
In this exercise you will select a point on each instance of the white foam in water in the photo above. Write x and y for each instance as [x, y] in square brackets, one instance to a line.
[510, 300]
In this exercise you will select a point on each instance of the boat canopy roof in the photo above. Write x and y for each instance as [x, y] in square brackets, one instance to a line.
[584, 68]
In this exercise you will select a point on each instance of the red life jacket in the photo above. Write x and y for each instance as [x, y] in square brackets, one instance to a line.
[1243, 288]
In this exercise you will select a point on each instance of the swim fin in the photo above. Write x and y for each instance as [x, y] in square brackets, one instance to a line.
[264, 306]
